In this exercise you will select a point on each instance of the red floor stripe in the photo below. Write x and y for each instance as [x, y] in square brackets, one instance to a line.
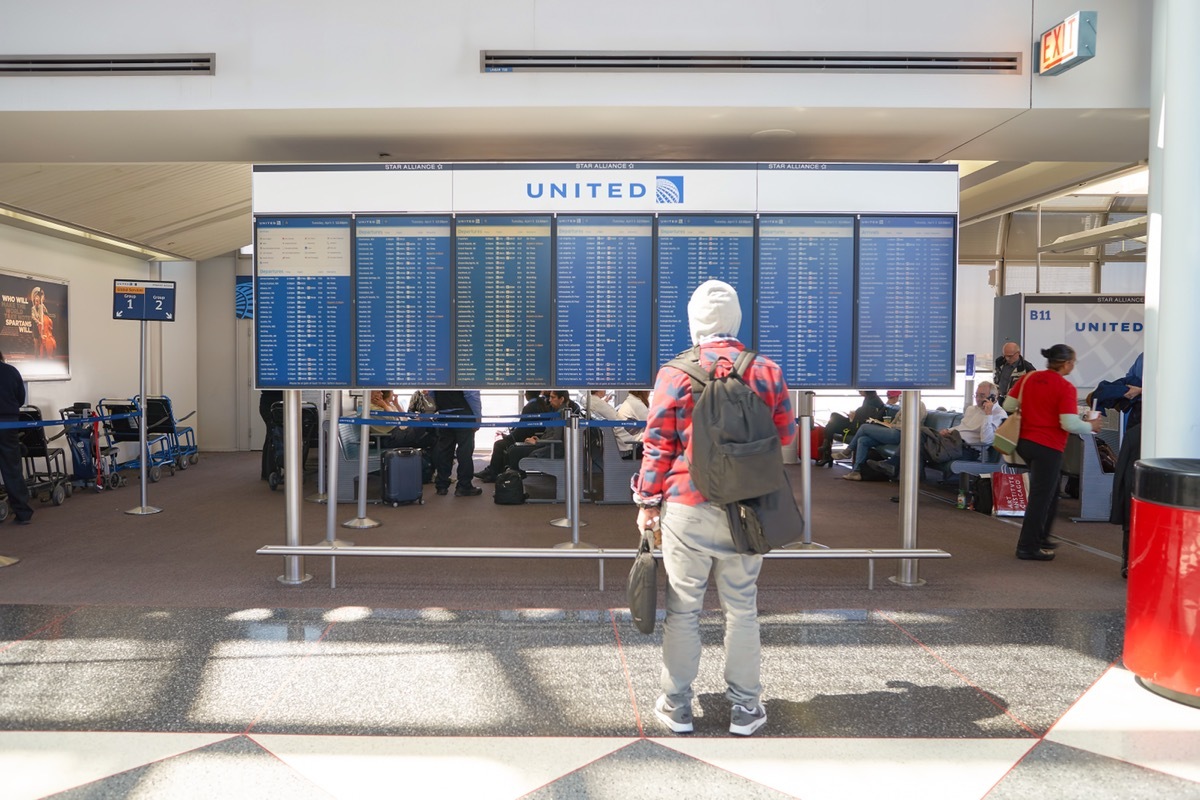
[54, 623]
[959, 675]
[282, 684]
[637, 715]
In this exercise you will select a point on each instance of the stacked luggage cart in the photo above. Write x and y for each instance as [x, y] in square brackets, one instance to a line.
[168, 445]
[94, 438]
[45, 466]
[181, 440]
[95, 463]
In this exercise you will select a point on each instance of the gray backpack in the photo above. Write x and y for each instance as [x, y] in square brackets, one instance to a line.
[736, 453]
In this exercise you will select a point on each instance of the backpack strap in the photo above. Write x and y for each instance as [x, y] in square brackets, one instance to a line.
[691, 367]
[700, 377]
[744, 360]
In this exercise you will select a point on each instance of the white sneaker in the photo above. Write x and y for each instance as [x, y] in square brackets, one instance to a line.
[677, 718]
[743, 721]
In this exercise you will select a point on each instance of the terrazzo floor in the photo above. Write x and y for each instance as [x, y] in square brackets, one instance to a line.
[99, 702]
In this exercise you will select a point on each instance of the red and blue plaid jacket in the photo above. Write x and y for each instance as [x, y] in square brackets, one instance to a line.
[668, 437]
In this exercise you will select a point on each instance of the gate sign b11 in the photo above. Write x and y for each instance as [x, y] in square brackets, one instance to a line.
[144, 300]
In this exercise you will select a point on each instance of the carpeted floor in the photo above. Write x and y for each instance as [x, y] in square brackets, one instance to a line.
[200, 551]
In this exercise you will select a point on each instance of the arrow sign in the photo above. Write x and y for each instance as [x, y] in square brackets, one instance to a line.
[144, 300]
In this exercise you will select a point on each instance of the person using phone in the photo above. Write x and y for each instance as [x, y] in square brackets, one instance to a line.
[965, 441]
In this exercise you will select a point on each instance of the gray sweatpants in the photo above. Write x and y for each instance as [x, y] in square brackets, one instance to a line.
[696, 542]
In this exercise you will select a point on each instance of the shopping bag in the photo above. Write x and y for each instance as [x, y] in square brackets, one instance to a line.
[1010, 493]
[1008, 434]
[642, 591]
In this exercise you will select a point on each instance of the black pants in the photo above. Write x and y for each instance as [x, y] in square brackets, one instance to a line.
[1045, 468]
[14, 476]
[265, 402]
[454, 443]
[1122, 488]
[499, 452]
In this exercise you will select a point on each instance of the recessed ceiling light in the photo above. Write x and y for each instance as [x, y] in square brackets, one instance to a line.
[773, 133]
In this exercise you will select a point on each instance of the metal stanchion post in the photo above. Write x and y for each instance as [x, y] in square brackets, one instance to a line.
[573, 441]
[293, 566]
[144, 452]
[364, 450]
[331, 481]
[568, 471]
[322, 438]
[910, 466]
[806, 462]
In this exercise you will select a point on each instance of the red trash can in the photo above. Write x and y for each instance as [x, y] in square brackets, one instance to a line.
[1162, 619]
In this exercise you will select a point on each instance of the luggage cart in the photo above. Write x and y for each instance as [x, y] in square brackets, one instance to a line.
[125, 429]
[45, 466]
[160, 419]
[95, 465]
[309, 419]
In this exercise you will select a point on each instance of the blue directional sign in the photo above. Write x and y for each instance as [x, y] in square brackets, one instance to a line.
[144, 300]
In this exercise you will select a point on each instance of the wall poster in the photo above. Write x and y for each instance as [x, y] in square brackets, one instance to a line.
[35, 335]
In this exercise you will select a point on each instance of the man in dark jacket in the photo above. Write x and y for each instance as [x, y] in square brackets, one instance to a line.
[12, 397]
[1011, 366]
[457, 443]
[535, 403]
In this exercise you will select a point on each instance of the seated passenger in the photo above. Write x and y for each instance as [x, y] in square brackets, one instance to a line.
[393, 436]
[846, 425]
[629, 440]
[539, 445]
[872, 434]
[596, 405]
[977, 430]
[535, 403]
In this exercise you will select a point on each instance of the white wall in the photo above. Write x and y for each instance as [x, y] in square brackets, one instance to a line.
[311, 54]
[218, 398]
[104, 351]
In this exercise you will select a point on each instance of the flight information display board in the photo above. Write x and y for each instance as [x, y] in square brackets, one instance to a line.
[906, 268]
[503, 300]
[302, 302]
[604, 276]
[402, 301]
[806, 298]
[691, 250]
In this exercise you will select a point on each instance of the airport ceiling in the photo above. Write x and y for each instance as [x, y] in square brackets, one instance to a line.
[179, 182]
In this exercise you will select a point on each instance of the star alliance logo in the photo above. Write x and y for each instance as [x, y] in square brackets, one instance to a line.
[668, 189]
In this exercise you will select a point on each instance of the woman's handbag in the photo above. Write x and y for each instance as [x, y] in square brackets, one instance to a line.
[1008, 434]
[643, 585]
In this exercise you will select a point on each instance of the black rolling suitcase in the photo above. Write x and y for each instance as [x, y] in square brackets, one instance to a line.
[401, 473]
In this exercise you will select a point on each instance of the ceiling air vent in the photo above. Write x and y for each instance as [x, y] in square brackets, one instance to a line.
[894, 63]
[75, 65]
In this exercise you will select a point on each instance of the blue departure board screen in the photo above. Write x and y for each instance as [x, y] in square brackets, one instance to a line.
[302, 302]
[906, 268]
[502, 301]
[691, 250]
[402, 301]
[603, 290]
[806, 298]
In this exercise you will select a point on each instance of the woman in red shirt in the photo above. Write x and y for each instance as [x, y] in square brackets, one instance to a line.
[1049, 406]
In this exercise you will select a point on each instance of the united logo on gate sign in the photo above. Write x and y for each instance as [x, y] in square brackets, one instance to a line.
[668, 189]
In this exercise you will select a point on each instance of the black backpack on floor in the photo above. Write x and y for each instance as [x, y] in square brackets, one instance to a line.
[510, 489]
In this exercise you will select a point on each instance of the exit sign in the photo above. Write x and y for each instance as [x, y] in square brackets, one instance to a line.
[1068, 44]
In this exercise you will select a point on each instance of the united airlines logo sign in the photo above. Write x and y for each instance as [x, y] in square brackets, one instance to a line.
[668, 189]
